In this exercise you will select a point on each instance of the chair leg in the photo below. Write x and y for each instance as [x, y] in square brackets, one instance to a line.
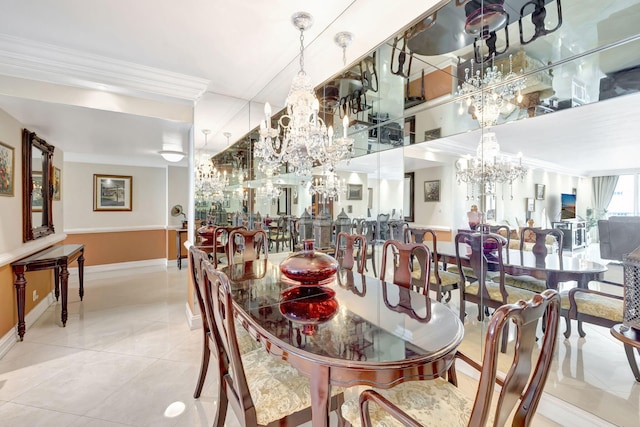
[204, 366]
[580, 330]
[567, 322]
[221, 410]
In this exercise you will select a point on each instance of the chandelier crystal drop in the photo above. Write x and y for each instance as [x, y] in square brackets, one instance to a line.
[487, 95]
[301, 137]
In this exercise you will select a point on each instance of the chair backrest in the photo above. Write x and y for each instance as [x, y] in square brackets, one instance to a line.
[220, 315]
[196, 257]
[424, 235]
[368, 230]
[398, 228]
[486, 255]
[403, 264]
[345, 253]
[249, 243]
[383, 226]
[540, 246]
[523, 383]
[221, 240]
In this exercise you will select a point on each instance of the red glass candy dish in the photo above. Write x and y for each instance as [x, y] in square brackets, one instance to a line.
[308, 306]
[309, 267]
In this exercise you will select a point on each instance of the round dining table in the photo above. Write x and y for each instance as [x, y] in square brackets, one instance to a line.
[351, 330]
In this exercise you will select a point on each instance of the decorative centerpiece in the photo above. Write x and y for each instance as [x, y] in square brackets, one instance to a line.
[308, 267]
[308, 306]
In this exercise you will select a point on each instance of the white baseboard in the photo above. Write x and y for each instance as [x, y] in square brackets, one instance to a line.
[160, 262]
[11, 338]
[193, 320]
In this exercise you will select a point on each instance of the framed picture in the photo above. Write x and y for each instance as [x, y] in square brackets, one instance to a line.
[531, 204]
[354, 191]
[539, 191]
[432, 191]
[36, 194]
[7, 162]
[56, 183]
[112, 192]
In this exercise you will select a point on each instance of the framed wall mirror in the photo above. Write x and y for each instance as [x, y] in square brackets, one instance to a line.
[37, 187]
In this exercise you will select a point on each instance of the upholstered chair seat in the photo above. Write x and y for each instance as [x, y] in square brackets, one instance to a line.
[276, 388]
[598, 306]
[435, 403]
[514, 294]
[524, 282]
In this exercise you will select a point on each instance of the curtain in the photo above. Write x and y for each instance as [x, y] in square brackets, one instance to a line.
[602, 192]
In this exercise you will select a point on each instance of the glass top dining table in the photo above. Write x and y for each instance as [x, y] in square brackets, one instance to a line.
[353, 330]
[552, 267]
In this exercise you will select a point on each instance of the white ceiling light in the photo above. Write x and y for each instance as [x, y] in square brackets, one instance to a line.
[172, 156]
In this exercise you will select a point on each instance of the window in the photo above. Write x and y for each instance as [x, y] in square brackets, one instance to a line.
[624, 201]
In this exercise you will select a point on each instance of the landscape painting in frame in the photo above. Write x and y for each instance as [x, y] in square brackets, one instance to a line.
[112, 192]
[432, 191]
[6, 170]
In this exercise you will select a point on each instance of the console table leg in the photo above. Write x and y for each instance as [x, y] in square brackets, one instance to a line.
[20, 285]
[81, 275]
[64, 288]
[628, 349]
[56, 280]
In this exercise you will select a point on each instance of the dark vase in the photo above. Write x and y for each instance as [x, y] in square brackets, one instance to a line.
[308, 267]
[308, 306]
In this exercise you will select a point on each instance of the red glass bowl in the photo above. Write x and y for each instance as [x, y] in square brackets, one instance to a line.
[308, 306]
[309, 268]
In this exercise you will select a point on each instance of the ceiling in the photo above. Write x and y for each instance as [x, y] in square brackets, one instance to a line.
[110, 82]
[121, 78]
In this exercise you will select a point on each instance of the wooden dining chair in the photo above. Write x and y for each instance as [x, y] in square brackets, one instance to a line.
[368, 230]
[248, 244]
[406, 273]
[441, 281]
[245, 342]
[485, 291]
[260, 389]
[221, 239]
[439, 402]
[540, 252]
[348, 248]
[278, 234]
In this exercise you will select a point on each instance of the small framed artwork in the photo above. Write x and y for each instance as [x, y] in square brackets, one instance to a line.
[112, 192]
[531, 204]
[7, 163]
[432, 191]
[36, 193]
[56, 183]
[540, 191]
[354, 191]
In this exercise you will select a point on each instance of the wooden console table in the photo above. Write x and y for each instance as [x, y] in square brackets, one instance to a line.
[57, 258]
[179, 241]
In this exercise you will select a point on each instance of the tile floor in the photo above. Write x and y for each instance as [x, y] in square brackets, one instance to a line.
[128, 358]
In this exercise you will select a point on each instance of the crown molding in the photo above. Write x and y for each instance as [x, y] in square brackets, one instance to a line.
[45, 62]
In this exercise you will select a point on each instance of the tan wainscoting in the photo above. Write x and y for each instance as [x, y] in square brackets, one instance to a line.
[122, 246]
[444, 236]
[39, 281]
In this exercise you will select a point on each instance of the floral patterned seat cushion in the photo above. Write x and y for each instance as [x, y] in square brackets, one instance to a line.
[276, 387]
[246, 342]
[599, 306]
[514, 294]
[432, 403]
[524, 282]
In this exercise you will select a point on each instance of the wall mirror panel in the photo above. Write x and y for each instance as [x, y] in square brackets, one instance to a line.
[37, 186]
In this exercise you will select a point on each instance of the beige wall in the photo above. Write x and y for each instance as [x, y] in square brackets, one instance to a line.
[11, 207]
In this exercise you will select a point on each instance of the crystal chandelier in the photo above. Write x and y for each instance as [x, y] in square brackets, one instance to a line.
[329, 186]
[301, 136]
[489, 166]
[268, 191]
[487, 95]
[210, 182]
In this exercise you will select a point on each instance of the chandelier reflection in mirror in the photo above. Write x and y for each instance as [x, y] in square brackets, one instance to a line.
[210, 182]
[489, 167]
[267, 192]
[328, 186]
[301, 137]
[487, 95]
